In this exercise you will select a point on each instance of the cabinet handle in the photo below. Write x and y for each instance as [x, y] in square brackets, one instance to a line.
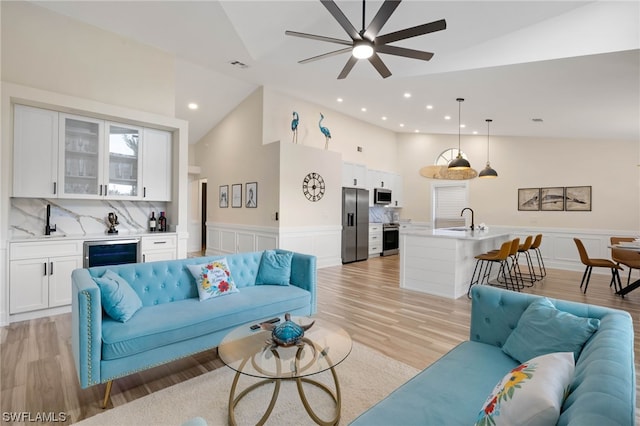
[55, 188]
[144, 258]
[355, 182]
[144, 192]
[159, 242]
[45, 269]
[100, 189]
[382, 184]
[51, 268]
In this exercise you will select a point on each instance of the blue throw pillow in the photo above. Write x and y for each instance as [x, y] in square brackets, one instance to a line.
[275, 268]
[119, 300]
[543, 329]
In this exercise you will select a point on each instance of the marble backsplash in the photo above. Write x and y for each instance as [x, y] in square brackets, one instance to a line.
[27, 216]
[378, 214]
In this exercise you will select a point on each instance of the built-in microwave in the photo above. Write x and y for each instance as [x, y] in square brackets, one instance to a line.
[382, 196]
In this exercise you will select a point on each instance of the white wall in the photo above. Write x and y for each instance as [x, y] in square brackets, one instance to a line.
[610, 167]
[347, 133]
[45, 50]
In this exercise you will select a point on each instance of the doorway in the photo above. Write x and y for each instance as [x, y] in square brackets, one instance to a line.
[203, 216]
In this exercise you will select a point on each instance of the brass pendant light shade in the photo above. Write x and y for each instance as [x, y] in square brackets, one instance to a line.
[459, 163]
[488, 172]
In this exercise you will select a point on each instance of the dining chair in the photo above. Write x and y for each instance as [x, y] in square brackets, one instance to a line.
[629, 258]
[535, 247]
[597, 263]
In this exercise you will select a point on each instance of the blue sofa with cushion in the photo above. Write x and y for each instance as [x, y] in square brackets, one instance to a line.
[529, 360]
[131, 317]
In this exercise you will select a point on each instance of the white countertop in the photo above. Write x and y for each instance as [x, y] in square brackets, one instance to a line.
[475, 235]
[88, 237]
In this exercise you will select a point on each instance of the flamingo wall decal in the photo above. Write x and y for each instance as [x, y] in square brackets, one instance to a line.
[325, 132]
[294, 127]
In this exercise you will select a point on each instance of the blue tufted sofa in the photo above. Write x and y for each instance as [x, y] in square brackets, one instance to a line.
[453, 389]
[173, 323]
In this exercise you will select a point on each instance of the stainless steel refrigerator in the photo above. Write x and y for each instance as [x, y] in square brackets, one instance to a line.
[355, 224]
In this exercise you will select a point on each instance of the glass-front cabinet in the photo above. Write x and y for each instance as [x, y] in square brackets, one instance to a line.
[81, 145]
[99, 159]
[123, 161]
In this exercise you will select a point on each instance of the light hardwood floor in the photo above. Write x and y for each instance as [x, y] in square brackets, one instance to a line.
[37, 372]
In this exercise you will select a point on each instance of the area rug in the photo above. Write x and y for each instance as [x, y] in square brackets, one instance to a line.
[366, 377]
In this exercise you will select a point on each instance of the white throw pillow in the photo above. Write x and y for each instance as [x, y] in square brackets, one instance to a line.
[530, 394]
[213, 279]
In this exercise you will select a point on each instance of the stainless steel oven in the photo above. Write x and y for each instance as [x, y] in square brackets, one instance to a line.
[111, 252]
[390, 238]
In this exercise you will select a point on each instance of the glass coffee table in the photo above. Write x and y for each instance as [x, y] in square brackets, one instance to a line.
[250, 353]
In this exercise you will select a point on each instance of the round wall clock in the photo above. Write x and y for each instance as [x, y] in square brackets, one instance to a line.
[313, 186]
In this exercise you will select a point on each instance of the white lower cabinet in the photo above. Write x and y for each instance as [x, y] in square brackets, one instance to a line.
[160, 247]
[375, 239]
[38, 281]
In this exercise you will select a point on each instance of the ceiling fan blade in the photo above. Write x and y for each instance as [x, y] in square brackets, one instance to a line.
[325, 55]
[320, 38]
[347, 67]
[381, 18]
[412, 32]
[335, 11]
[379, 65]
[407, 53]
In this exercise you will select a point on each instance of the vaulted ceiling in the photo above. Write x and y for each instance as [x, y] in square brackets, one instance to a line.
[573, 64]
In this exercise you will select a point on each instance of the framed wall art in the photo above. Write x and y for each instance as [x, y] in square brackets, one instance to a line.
[236, 195]
[251, 195]
[223, 196]
[578, 198]
[552, 199]
[529, 199]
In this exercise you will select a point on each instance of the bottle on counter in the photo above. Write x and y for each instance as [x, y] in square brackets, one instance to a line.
[162, 222]
[152, 222]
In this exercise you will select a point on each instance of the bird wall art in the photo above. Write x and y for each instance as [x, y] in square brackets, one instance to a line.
[325, 131]
[294, 127]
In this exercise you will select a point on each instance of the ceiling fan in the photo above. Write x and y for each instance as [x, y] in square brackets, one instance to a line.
[366, 44]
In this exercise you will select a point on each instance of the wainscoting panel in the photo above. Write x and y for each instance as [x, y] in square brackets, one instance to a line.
[322, 242]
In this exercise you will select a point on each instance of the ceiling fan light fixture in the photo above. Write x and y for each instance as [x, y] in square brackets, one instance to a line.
[362, 49]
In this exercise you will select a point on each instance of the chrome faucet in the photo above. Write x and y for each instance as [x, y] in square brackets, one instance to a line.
[48, 229]
[471, 210]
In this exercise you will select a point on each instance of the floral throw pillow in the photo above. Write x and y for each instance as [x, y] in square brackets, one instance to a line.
[530, 394]
[213, 279]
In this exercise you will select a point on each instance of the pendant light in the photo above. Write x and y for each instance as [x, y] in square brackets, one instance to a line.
[459, 163]
[488, 172]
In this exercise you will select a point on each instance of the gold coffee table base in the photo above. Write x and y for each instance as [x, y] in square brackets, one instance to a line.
[337, 398]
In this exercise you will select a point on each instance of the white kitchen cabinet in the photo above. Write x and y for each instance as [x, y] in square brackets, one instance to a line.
[40, 274]
[397, 191]
[156, 165]
[159, 247]
[378, 179]
[375, 239]
[35, 152]
[354, 175]
[122, 171]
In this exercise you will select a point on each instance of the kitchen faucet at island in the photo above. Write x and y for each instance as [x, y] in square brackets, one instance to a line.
[48, 229]
[471, 210]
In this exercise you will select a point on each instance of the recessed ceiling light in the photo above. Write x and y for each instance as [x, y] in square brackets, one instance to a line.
[363, 109]
[401, 124]
[447, 117]
[192, 105]
[384, 117]
[475, 132]
[416, 131]
[429, 106]
[339, 99]
[462, 126]
[407, 95]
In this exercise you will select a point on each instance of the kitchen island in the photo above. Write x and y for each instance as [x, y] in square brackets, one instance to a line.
[441, 261]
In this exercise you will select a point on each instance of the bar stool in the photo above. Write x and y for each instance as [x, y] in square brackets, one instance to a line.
[524, 248]
[485, 262]
[514, 269]
[535, 247]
